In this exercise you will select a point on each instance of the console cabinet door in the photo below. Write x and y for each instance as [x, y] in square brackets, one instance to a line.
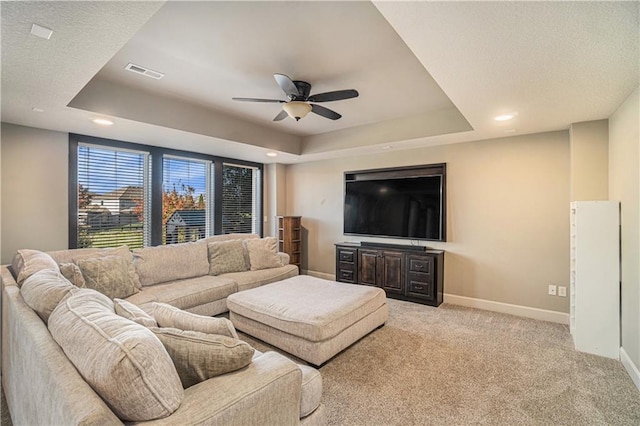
[368, 272]
[391, 272]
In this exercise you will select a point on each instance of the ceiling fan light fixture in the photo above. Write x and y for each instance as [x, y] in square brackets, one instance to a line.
[296, 109]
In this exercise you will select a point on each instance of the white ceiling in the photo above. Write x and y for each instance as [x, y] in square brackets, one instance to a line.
[427, 72]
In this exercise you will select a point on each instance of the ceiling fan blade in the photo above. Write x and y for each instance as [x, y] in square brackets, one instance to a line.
[281, 116]
[286, 84]
[338, 95]
[325, 112]
[259, 100]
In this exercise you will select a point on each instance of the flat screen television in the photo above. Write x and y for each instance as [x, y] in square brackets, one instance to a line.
[397, 205]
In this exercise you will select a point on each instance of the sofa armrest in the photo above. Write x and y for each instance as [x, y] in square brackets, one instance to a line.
[284, 258]
[41, 385]
[265, 392]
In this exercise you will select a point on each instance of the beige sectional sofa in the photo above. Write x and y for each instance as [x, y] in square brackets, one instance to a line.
[42, 385]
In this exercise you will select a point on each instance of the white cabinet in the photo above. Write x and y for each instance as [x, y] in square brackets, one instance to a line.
[594, 318]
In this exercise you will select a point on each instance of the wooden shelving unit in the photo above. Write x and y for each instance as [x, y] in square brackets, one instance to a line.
[290, 237]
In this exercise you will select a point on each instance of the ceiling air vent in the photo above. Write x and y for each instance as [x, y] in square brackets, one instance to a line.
[144, 71]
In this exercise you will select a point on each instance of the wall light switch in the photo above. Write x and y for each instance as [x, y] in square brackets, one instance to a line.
[562, 291]
[552, 290]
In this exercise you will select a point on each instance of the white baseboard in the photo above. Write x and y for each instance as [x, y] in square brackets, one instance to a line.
[631, 368]
[506, 308]
[487, 305]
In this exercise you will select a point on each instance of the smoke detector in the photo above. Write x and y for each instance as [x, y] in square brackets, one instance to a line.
[143, 71]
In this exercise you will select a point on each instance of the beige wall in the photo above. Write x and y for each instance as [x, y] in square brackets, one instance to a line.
[275, 195]
[507, 214]
[589, 143]
[624, 185]
[34, 189]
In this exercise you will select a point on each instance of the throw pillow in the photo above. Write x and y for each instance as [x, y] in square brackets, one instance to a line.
[109, 275]
[226, 256]
[170, 316]
[132, 312]
[199, 356]
[122, 361]
[27, 262]
[75, 255]
[44, 290]
[263, 253]
[72, 272]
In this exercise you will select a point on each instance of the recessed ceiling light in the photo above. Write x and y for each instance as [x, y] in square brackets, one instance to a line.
[505, 117]
[36, 109]
[41, 32]
[102, 122]
[272, 154]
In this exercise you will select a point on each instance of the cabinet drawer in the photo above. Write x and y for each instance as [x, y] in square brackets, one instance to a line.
[346, 275]
[346, 255]
[421, 264]
[421, 289]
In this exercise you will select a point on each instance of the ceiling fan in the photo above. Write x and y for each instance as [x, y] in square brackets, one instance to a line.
[299, 103]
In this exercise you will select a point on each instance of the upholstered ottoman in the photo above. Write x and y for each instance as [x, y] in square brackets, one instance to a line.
[311, 318]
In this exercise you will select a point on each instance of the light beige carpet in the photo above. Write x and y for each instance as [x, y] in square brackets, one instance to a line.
[459, 366]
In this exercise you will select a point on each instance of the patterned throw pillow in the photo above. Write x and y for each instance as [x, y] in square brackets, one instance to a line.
[226, 256]
[263, 253]
[72, 272]
[200, 356]
[132, 312]
[122, 361]
[109, 275]
[172, 317]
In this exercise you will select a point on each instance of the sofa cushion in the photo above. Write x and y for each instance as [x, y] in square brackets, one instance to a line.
[199, 356]
[131, 312]
[311, 390]
[251, 279]
[171, 262]
[311, 394]
[187, 293]
[227, 237]
[172, 317]
[75, 255]
[263, 253]
[43, 291]
[72, 272]
[226, 256]
[27, 262]
[124, 362]
[109, 275]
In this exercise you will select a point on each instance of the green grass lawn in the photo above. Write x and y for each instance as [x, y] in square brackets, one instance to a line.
[130, 235]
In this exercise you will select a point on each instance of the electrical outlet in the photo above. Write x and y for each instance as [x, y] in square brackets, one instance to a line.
[562, 291]
[552, 290]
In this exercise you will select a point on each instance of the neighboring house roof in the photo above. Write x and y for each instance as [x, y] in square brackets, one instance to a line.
[188, 218]
[124, 193]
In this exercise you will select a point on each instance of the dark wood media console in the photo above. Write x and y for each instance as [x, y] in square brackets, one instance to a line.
[408, 273]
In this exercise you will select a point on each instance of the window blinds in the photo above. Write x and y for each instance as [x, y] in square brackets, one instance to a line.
[113, 197]
[239, 199]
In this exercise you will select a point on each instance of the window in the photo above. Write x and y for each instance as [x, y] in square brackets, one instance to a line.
[239, 201]
[113, 201]
[140, 195]
[185, 189]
